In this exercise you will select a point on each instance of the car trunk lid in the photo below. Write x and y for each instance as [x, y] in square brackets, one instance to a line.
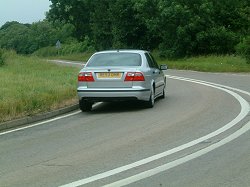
[110, 78]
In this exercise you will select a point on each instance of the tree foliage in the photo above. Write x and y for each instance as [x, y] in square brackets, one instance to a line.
[243, 48]
[177, 28]
[27, 38]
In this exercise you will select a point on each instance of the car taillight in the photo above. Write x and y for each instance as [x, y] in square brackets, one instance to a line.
[85, 77]
[134, 76]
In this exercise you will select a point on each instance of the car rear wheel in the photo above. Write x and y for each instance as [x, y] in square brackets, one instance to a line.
[163, 91]
[150, 103]
[163, 94]
[85, 106]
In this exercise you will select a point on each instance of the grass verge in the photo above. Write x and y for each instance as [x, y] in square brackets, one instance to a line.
[30, 85]
[209, 64]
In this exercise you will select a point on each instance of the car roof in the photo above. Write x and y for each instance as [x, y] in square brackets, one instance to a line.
[123, 51]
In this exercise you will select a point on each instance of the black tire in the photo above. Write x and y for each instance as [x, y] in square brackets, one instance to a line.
[150, 103]
[85, 106]
[163, 91]
[163, 94]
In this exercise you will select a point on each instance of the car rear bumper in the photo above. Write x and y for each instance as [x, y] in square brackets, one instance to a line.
[118, 94]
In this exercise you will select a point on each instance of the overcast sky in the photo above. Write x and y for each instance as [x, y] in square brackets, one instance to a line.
[23, 11]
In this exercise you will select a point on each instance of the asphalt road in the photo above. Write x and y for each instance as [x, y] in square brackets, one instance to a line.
[197, 136]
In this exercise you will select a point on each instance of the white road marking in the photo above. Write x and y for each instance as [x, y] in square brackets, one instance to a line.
[180, 161]
[211, 83]
[245, 108]
[40, 123]
[44, 122]
[217, 73]
[68, 62]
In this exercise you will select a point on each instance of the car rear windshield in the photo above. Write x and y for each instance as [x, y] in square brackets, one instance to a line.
[115, 59]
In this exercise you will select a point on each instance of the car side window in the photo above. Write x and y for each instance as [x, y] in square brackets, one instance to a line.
[154, 62]
[150, 61]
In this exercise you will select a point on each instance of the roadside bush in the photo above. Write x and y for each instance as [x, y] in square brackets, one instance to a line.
[46, 51]
[76, 47]
[217, 40]
[243, 49]
[73, 47]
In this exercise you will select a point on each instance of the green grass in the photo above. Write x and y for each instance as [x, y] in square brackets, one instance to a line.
[209, 64]
[30, 85]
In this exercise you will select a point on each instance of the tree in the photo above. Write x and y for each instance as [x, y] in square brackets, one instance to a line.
[201, 26]
[27, 38]
[243, 48]
[177, 28]
[75, 12]
[100, 24]
[127, 29]
[148, 16]
[14, 35]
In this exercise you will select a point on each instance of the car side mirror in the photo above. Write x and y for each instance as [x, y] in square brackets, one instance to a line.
[163, 67]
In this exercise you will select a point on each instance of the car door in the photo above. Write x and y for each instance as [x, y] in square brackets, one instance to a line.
[159, 77]
[155, 73]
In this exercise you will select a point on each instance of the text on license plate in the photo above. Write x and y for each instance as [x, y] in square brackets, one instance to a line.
[109, 75]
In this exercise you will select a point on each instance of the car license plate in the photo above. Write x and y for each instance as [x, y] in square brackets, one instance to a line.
[107, 75]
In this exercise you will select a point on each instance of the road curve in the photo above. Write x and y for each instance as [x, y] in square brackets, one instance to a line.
[124, 144]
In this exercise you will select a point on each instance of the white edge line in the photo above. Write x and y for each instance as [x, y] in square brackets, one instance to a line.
[43, 122]
[180, 161]
[187, 158]
[244, 111]
[219, 85]
[68, 62]
[40, 123]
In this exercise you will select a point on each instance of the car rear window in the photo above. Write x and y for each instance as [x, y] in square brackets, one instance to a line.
[115, 59]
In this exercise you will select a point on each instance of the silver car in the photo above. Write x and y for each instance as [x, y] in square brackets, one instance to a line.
[120, 75]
